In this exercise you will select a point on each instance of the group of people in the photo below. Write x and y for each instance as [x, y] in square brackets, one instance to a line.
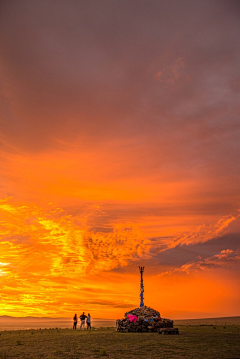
[82, 318]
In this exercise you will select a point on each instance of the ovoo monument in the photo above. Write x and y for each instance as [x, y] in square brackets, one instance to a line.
[144, 319]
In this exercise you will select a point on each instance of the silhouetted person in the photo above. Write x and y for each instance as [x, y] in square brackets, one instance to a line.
[82, 319]
[75, 320]
[89, 322]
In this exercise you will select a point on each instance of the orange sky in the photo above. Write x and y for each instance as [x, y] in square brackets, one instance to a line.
[119, 147]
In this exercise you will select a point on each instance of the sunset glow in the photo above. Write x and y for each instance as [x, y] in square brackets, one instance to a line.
[119, 147]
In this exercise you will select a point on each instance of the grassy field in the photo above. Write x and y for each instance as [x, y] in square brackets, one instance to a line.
[214, 321]
[196, 342]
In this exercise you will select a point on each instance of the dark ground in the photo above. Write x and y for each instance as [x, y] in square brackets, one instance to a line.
[196, 342]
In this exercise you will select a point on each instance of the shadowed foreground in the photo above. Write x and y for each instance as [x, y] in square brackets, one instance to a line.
[195, 342]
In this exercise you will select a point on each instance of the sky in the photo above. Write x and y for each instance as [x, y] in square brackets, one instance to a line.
[119, 148]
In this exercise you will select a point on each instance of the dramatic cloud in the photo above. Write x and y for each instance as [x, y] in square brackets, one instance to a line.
[225, 258]
[119, 146]
[48, 251]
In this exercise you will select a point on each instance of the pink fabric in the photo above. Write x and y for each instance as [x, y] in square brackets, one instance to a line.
[132, 318]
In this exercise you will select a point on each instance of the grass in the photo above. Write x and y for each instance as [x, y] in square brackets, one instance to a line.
[195, 342]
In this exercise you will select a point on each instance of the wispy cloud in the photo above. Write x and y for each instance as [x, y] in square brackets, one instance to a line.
[174, 73]
[226, 257]
[202, 234]
[205, 232]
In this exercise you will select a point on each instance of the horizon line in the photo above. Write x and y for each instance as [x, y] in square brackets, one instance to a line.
[65, 318]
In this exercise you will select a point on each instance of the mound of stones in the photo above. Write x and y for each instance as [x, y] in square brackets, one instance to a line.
[144, 311]
[143, 319]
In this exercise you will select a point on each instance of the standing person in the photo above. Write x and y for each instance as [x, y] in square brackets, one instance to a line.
[89, 322]
[82, 319]
[75, 322]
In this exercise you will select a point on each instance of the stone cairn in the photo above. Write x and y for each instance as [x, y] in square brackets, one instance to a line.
[148, 320]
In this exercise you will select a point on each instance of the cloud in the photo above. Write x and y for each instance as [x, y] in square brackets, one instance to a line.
[204, 233]
[51, 254]
[114, 115]
[225, 258]
[173, 74]
[59, 244]
[62, 83]
[63, 242]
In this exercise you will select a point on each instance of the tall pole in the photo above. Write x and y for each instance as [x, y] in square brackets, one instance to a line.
[141, 269]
